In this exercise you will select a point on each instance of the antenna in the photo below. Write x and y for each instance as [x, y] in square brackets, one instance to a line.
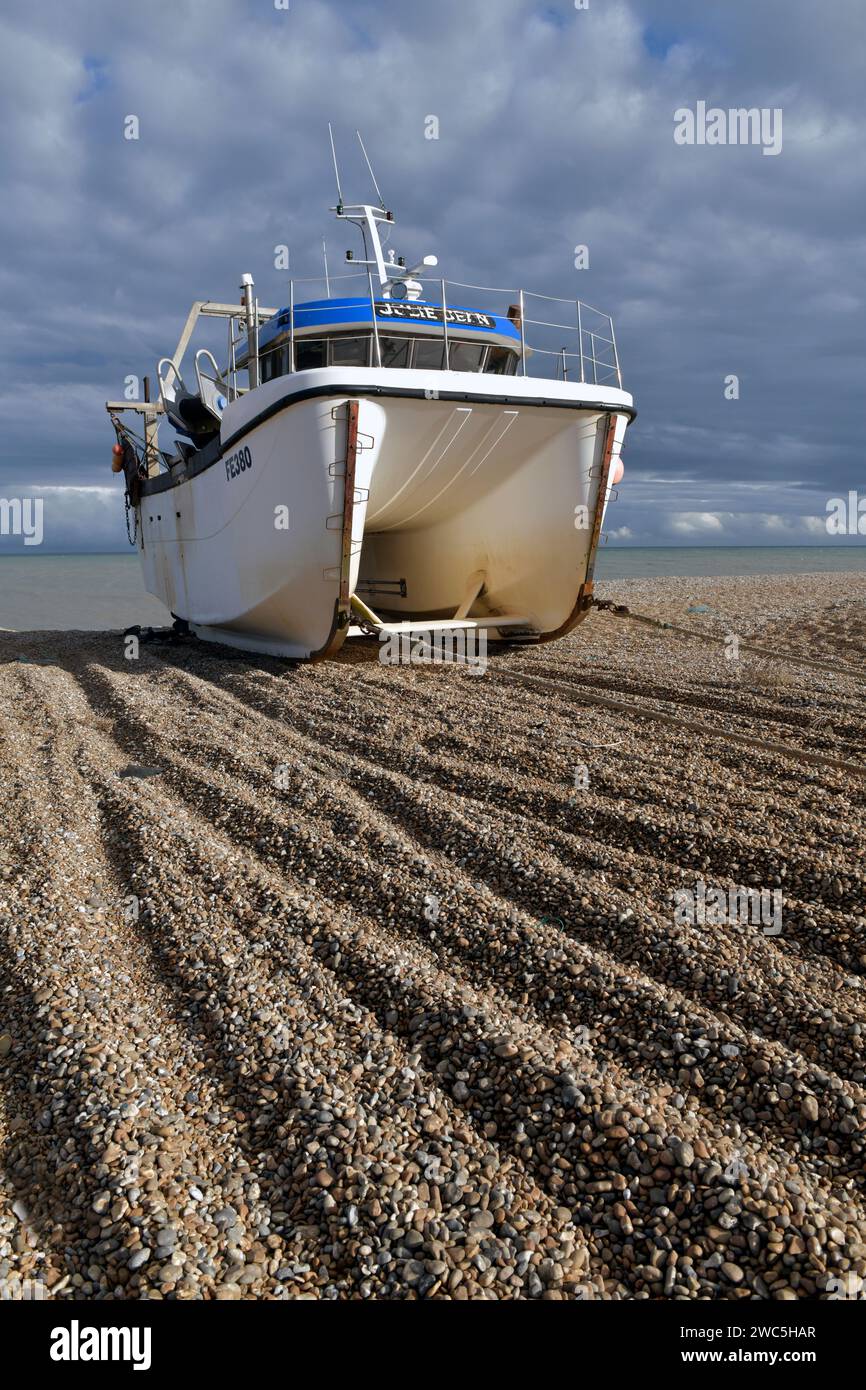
[325, 255]
[370, 167]
[336, 170]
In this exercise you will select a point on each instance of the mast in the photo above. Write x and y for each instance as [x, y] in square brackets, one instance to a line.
[370, 217]
[251, 317]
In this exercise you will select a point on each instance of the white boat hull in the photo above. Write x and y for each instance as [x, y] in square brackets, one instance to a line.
[461, 482]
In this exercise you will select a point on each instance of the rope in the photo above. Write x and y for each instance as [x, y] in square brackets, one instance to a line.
[648, 712]
[124, 431]
[138, 442]
[133, 471]
[619, 610]
[694, 726]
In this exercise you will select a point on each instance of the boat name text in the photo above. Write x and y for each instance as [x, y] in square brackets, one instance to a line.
[401, 309]
[238, 463]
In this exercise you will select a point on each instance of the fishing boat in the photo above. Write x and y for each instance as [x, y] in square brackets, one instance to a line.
[400, 454]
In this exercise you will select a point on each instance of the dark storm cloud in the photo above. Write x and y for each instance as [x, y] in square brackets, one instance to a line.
[556, 129]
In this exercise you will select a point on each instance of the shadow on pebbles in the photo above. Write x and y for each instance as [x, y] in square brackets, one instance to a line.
[353, 981]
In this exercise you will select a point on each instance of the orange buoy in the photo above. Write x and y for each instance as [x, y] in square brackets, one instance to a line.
[618, 470]
[116, 458]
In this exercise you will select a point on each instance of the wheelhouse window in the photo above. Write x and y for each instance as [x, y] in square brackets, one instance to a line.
[311, 353]
[429, 354]
[465, 357]
[398, 351]
[350, 352]
[271, 364]
[502, 361]
[395, 351]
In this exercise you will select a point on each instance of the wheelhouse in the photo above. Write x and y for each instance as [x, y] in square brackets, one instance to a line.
[415, 335]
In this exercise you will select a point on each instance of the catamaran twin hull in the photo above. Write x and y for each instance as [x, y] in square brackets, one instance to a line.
[433, 496]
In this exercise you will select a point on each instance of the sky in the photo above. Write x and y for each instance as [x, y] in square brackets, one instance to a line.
[556, 129]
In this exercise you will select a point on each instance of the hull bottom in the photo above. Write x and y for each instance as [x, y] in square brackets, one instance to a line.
[252, 642]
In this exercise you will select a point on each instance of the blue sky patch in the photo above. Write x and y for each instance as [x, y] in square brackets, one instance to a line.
[96, 70]
[659, 42]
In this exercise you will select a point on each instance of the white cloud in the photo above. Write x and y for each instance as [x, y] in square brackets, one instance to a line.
[555, 130]
[75, 517]
[695, 523]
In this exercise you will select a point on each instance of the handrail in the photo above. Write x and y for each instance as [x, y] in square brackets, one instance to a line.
[217, 376]
[553, 298]
[530, 294]
[615, 354]
[522, 334]
[593, 309]
[163, 385]
[486, 289]
[318, 279]
[292, 326]
[596, 353]
[231, 365]
[375, 321]
[544, 323]
[580, 337]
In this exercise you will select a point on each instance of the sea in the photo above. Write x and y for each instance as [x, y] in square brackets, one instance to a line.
[105, 592]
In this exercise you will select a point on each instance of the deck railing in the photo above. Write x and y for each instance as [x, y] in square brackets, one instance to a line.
[572, 341]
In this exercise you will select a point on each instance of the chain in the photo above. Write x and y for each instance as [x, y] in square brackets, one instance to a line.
[134, 537]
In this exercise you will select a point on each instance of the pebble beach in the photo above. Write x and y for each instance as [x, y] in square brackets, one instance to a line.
[355, 981]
